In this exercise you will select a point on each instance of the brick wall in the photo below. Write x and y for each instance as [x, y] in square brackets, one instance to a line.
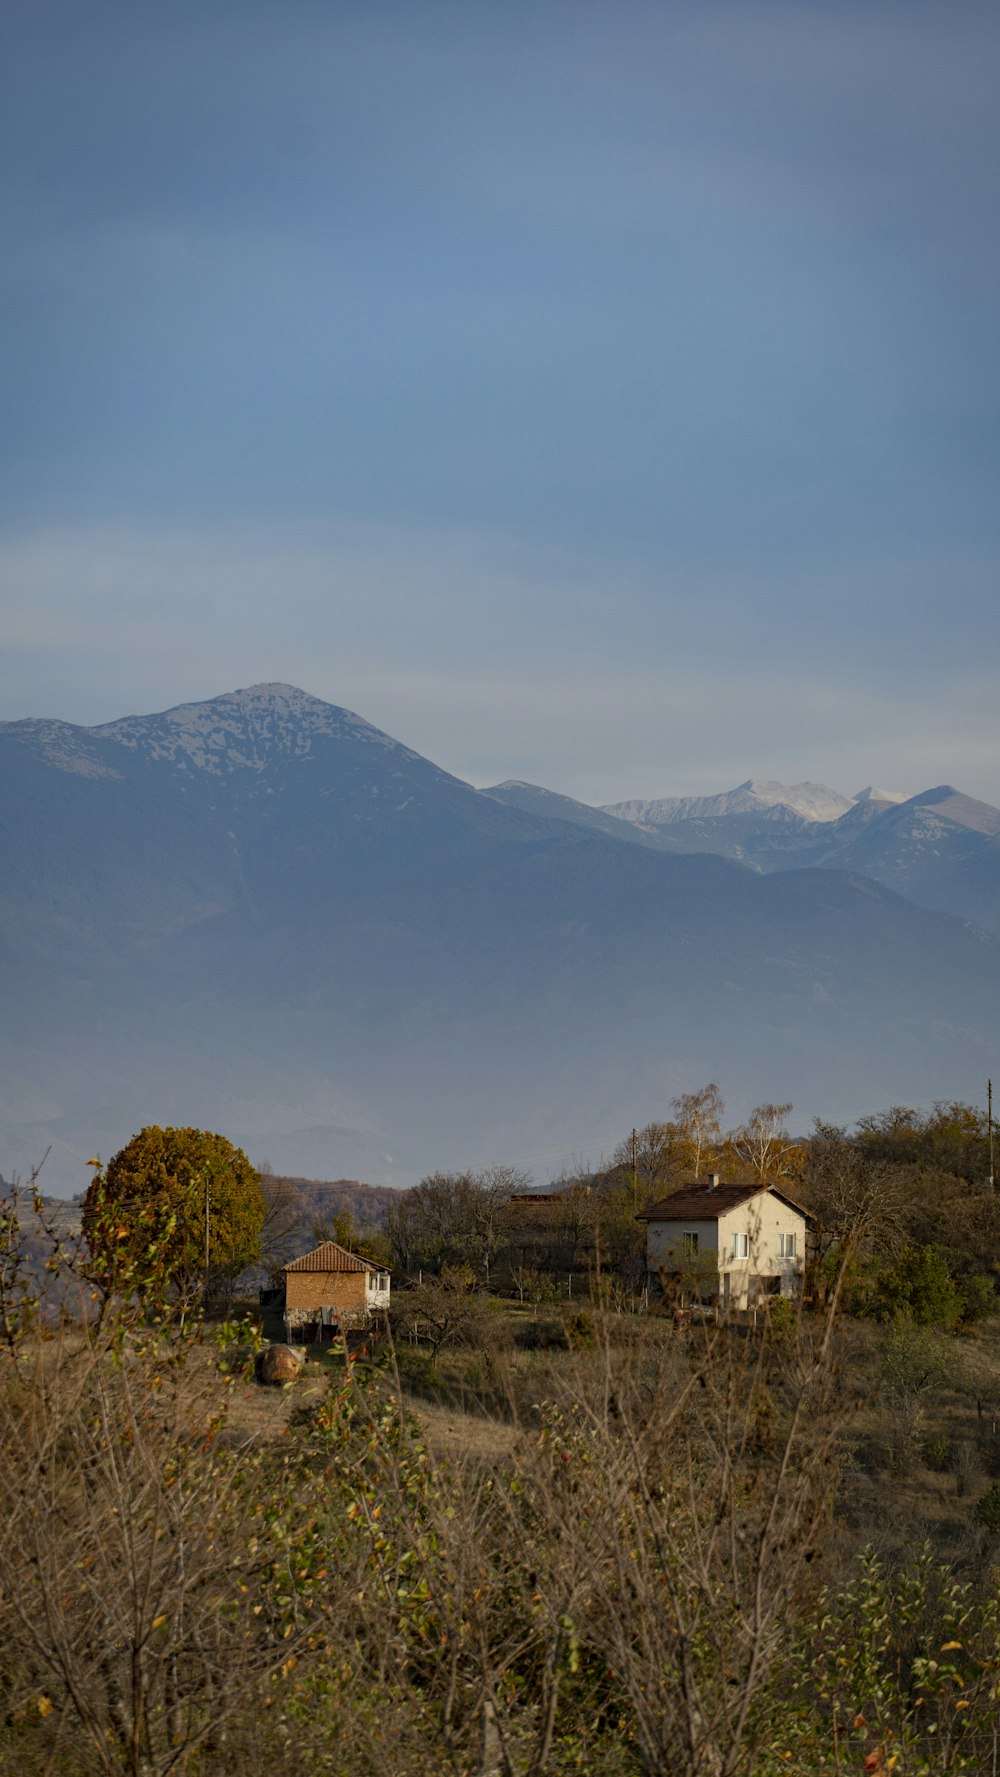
[313, 1290]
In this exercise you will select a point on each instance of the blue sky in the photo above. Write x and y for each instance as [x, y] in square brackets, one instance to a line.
[600, 395]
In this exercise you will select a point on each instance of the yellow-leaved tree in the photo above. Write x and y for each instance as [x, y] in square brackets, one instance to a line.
[177, 1207]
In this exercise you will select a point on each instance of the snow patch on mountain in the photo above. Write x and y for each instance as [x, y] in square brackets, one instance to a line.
[243, 730]
[811, 802]
[871, 794]
[246, 730]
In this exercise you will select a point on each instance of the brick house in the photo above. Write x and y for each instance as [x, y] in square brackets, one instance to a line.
[734, 1243]
[330, 1290]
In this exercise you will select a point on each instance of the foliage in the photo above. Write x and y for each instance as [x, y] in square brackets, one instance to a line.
[939, 1453]
[145, 1218]
[914, 1359]
[988, 1510]
[579, 1330]
[358, 1237]
[977, 1297]
[895, 1672]
[919, 1288]
[654, 1161]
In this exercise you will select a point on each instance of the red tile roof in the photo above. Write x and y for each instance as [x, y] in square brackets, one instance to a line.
[331, 1257]
[705, 1203]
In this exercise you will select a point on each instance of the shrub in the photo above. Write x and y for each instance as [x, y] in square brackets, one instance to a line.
[978, 1298]
[920, 1288]
[939, 1454]
[987, 1512]
[579, 1330]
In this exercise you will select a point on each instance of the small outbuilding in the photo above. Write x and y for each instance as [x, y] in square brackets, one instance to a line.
[331, 1290]
[730, 1244]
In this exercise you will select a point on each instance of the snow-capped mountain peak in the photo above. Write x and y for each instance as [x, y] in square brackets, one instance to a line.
[871, 794]
[241, 730]
[811, 802]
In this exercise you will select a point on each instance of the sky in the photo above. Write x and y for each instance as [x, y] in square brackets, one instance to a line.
[600, 395]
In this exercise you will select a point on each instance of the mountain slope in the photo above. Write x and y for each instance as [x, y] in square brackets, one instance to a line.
[550, 806]
[940, 849]
[263, 915]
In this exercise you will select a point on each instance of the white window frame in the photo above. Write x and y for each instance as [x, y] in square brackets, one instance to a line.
[689, 1245]
[788, 1246]
[739, 1246]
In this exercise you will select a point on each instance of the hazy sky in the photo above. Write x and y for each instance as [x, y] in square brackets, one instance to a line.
[604, 395]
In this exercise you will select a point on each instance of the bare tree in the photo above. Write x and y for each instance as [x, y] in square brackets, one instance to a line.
[700, 1115]
[763, 1144]
[283, 1220]
[853, 1200]
[661, 1156]
[142, 1604]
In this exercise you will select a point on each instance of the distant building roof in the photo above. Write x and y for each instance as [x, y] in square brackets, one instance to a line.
[532, 1200]
[331, 1257]
[705, 1203]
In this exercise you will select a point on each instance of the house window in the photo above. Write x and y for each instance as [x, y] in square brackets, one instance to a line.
[739, 1246]
[689, 1245]
[786, 1246]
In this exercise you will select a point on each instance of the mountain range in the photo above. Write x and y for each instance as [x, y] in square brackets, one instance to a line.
[940, 848]
[263, 915]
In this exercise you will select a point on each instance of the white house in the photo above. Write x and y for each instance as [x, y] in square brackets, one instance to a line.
[737, 1243]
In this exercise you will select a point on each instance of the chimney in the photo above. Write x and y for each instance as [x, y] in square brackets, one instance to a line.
[713, 1181]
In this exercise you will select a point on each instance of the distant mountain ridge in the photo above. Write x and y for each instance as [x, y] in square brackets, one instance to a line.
[812, 802]
[940, 848]
[261, 914]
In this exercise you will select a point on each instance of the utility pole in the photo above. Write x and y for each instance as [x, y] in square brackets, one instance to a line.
[989, 1126]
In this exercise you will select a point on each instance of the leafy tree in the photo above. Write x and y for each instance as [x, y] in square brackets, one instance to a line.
[146, 1218]
[951, 1138]
[920, 1288]
[357, 1237]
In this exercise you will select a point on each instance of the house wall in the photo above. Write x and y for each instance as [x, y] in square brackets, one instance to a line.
[762, 1219]
[666, 1247]
[376, 1297]
[307, 1292]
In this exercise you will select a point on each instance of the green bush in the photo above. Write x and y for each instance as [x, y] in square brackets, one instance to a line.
[579, 1330]
[919, 1288]
[987, 1512]
[978, 1298]
[939, 1454]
